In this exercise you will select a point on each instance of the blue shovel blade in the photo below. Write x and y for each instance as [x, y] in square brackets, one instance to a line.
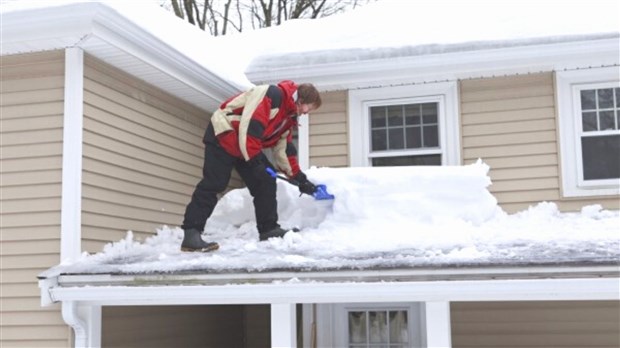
[321, 193]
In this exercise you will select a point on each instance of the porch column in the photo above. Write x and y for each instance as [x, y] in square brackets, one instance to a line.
[283, 325]
[438, 332]
[92, 318]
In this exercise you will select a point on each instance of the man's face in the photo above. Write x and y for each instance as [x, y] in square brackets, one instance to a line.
[305, 108]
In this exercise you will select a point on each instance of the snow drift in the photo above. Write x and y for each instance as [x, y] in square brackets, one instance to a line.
[381, 218]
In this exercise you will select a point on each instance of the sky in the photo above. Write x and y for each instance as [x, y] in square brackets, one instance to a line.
[381, 217]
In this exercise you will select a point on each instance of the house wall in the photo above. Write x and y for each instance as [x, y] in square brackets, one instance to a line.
[142, 156]
[328, 131]
[536, 324]
[31, 129]
[217, 326]
[511, 124]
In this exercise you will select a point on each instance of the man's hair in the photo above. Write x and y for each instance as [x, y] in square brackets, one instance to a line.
[308, 94]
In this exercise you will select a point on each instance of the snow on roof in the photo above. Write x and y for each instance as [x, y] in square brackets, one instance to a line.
[393, 28]
[382, 218]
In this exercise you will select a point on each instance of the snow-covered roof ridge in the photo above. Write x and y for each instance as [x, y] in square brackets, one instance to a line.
[382, 218]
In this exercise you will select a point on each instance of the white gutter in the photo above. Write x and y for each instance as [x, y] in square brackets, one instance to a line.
[424, 68]
[351, 292]
[432, 284]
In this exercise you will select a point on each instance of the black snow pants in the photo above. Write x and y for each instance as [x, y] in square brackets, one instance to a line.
[216, 172]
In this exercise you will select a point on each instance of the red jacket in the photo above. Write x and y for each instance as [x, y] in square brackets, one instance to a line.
[262, 117]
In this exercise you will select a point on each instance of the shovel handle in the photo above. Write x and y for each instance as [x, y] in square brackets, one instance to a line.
[276, 176]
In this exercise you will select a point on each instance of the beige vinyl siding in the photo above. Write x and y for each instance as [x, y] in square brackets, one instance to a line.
[31, 128]
[234, 326]
[541, 324]
[328, 131]
[142, 156]
[510, 123]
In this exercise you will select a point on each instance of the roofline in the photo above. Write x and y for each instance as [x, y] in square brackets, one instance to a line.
[450, 66]
[61, 27]
[123, 33]
[341, 292]
[445, 284]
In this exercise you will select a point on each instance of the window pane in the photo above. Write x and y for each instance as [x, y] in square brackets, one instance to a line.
[379, 140]
[431, 136]
[396, 138]
[588, 101]
[601, 157]
[429, 112]
[412, 114]
[588, 121]
[395, 115]
[357, 327]
[605, 98]
[607, 120]
[617, 97]
[378, 332]
[377, 117]
[399, 332]
[414, 137]
[426, 160]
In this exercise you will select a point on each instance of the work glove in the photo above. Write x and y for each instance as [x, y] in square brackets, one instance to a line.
[305, 186]
[258, 167]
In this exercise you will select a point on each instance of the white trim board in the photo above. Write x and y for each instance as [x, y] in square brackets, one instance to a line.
[350, 292]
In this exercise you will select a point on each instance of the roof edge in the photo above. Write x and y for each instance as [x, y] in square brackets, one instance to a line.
[425, 68]
[293, 291]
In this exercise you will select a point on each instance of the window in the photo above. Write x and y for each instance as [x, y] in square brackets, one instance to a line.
[378, 328]
[588, 108]
[405, 125]
[387, 325]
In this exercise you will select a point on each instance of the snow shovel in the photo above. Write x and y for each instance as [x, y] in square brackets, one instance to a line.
[320, 194]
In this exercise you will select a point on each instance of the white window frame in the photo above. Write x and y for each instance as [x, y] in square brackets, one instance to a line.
[332, 320]
[444, 93]
[569, 84]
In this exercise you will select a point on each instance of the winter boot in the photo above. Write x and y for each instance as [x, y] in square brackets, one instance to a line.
[193, 242]
[277, 232]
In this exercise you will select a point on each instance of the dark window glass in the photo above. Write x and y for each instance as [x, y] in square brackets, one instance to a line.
[607, 120]
[429, 111]
[617, 97]
[377, 117]
[395, 116]
[379, 140]
[588, 121]
[431, 136]
[588, 101]
[414, 137]
[601, 157]
[425, 160]
[412, 114]
[396, 138]
[605, 98]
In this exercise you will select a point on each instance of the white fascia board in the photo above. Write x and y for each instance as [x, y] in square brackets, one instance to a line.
[350, 292]
[130, 38]
[449, 66]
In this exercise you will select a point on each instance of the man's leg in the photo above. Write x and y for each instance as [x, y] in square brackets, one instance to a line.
[216, 172]
[263, 189]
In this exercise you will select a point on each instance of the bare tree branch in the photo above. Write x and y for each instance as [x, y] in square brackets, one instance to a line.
[219, 18]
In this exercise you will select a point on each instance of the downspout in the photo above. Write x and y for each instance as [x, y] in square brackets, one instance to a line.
[71, 209]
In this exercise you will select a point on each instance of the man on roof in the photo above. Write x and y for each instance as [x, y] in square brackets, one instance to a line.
[259, 118]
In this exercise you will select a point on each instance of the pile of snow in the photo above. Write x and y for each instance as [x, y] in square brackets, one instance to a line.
[381, 218]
